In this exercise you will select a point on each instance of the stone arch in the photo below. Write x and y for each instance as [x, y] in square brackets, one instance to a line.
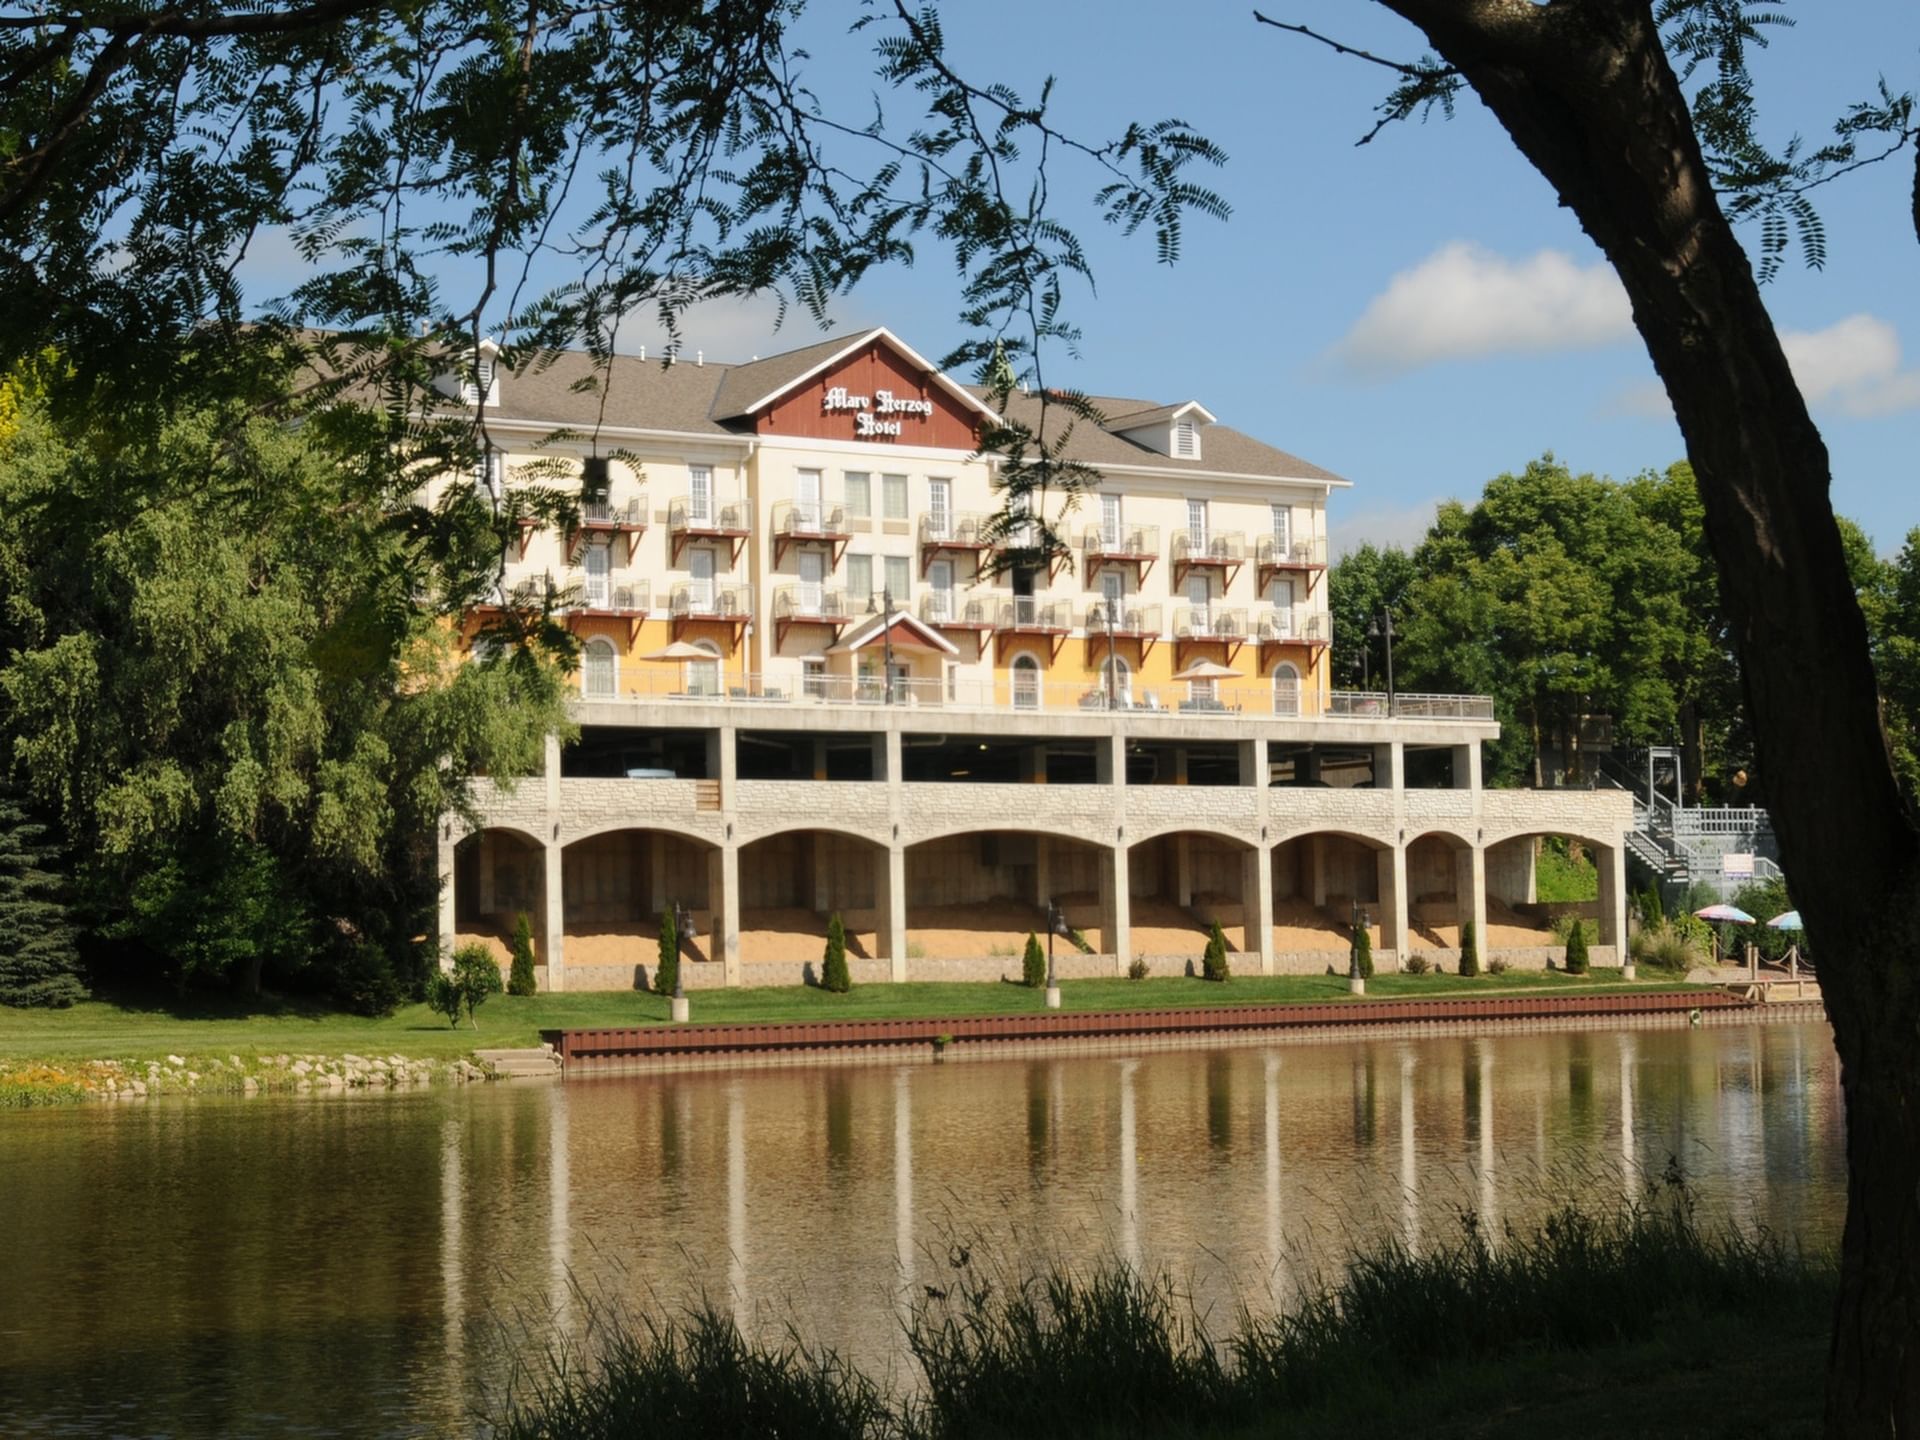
[615, 884]
[1182, 879]
[974, 891]
[1440, 888]
[1324, 878]
[499, 873]
[793, 880]
[1514, 898]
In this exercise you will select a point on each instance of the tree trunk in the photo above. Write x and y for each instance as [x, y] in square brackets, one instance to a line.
[1585, 91]
[1693, 753]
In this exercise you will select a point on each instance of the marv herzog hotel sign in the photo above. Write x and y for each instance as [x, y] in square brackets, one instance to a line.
[881, 414]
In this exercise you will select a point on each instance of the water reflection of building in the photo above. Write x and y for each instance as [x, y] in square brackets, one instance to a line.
[785, 616]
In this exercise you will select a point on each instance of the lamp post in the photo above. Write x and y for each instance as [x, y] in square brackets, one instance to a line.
[683, 930]
[1054, 921]
[1113, 668]
[886, 640]
[1356, 982]
[1382, 628]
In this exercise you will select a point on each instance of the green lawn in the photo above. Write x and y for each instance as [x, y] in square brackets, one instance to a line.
[136, 1029]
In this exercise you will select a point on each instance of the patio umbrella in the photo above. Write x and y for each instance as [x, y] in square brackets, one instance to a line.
[680, 650]
[1208, 670]
[1787, 920]
[1731, 913]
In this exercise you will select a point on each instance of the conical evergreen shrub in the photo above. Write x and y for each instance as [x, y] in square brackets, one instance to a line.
[666, 974]
[38, 962]
[1033, 964]
[1469, 950]
[1362, 951]
[520, 979]
[833, 964]
[1213, 965]
[1577, 949]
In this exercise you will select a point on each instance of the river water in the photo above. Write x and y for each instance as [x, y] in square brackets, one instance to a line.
[372, 1264]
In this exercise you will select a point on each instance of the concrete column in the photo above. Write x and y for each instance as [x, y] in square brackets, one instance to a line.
[1183, 868]
[1256, 904]
[1253, 763]
[1179, 764]
[819, 757]
[1612, 865]
[723, 762]
[1393, 901]
[1390, 767]
[550, 772]
[1308, 766]
[881, 755]
[1042, 870]
[1466, 766]
[1116, 925]
[723, 901]
[1110, 759]
[890, 908]
[1033, 765]
[449, 913]
[820, 860]
[553, 907]
[1317, 870]
[657, 896]
[1470, 891]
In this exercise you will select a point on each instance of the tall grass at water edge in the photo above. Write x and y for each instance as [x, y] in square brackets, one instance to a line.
[1110, 1351]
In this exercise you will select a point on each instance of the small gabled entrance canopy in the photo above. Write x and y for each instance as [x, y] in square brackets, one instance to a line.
[900, 630]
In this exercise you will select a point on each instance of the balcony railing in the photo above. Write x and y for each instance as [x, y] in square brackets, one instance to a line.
[958, 531]
[1225, 699]
[1309, 553]
[609, 514]
[1129, 542]
[695, 601]
[605, 598]
[944, 607]
[804, 519]
[811, 602]
[711, 517]
[1030, 612]
[1292, 625]
[1215, 548]
[1209, 622]
[1103, 618]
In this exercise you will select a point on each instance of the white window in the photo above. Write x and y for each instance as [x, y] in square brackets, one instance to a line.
[1186, 440]
[1286, 690]
[899, 578]
[1113, 590]
[859, 494]
[700, 592]
[490, 471]
[700, 495]
[1201, 693]
[893, 497]
[813, 591]
[940, 508]
[940, 585]
[813, 678]
[859, 579]
[1110, 522]
[806, 500]
[1200, 597]
[1026, 683]
[1282, 592]
[1197, 525]
[703, 676]
[599, 587]
[599, 670]
[1282, 530]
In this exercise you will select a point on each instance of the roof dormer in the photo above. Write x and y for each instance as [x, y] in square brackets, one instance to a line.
[1172, 430]
[470, 382]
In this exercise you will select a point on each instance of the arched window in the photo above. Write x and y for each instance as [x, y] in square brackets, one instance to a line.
[703, 676]
[1122, 682]
[1026, 683]
[599, 670]
[1286, 690]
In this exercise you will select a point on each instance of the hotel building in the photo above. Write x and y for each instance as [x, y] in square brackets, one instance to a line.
[805, 688]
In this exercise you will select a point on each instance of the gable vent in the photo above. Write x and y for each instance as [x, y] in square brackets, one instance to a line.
[1186, 439]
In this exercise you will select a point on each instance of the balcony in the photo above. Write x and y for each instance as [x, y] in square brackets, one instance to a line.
[704, 603]
[627, 519]
[1134, 545]
[951, 534]
[1195, 625]
[601, 599]
[805, 604]
[704, 518]
[1208, 551]
[947, 611]
[1031, 615]
[1373, 705]
[1106, 621]
[1292, 625]
[1273, 559]
[809, 522]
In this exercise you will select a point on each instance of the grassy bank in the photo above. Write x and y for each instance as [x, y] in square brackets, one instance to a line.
[138, 1029]
[1638, 1323]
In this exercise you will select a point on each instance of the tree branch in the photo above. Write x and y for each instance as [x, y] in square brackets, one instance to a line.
[1411, 71]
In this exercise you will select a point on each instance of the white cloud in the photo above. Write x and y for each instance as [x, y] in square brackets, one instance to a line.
[1383, 525]
[1465, 301]
[1852, 367]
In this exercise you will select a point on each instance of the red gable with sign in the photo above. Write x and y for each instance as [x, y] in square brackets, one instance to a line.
[876, 396]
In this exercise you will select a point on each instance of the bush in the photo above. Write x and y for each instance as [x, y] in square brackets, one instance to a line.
[1497, 966]
[476, 974]
[38, 962]
[520, 979]
[366, 982]
[1418, 965]
[1577, 949]
[1137, 968]
[1361, 954]
[443, 994]
[833, 963]
[666, 974]
[1647, 903]
[1666, 946]
[1214, 962]
[1033, 964]
[1469, 950]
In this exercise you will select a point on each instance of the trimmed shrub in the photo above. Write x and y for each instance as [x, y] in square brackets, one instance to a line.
[1214, 962]
[1033, 964]
[477, 975]
[1361, 954]
[444, 996]
[1577, 949]
[833, 963]
[1469, 950]
[1497, 966]
[666, 974]
[1137, 968]
[520, 979]
[1419, 965]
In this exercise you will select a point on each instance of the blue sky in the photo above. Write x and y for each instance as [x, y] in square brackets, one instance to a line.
[1417, 315]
